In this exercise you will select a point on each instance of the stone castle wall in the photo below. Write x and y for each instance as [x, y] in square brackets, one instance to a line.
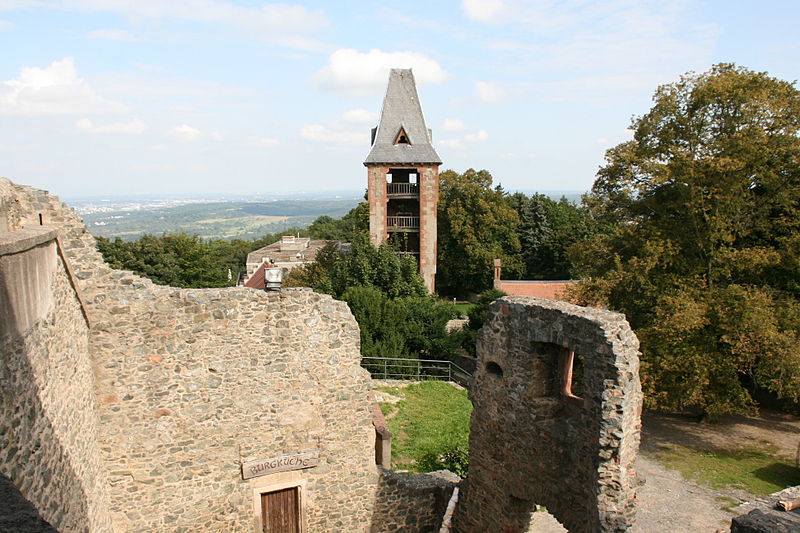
[188, 384]
[530, 443]
[50, 469]
[412, 503]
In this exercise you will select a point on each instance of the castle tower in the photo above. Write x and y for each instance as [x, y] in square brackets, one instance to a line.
[403, 176]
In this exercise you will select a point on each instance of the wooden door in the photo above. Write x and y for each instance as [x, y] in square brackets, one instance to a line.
[280, 511]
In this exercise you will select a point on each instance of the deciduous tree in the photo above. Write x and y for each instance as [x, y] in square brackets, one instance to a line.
[704, 258]
[476, 225]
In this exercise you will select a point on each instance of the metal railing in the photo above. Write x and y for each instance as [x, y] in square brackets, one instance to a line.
[402, 222]
[402, 189]
[415, 369]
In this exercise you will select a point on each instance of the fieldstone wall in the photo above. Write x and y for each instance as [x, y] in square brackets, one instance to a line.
[189, 384]
[412, 504]
[529, 443]
[51, 477]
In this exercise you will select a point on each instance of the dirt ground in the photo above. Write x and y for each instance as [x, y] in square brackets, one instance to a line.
[667, 502]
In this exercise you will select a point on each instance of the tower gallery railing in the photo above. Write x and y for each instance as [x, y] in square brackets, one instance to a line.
[402, 222]
[402, 189]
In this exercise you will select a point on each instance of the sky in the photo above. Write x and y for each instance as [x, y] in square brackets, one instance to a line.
[120, 97]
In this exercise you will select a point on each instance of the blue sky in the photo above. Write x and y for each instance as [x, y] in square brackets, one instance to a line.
[207, 96]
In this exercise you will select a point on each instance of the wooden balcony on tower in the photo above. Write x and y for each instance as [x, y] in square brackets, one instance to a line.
[402, 190]
[402, 223]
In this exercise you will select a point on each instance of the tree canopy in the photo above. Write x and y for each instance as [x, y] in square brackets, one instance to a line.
[476, 225]
[547, 229]
[705, 253]
[345, 229]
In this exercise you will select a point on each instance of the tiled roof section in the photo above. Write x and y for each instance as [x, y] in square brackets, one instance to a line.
[285, 251]
[257, 281]
[401, 109]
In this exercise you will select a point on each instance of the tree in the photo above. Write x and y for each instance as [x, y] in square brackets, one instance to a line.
[546, 231]
[345, 229]
[400, 327]
[363, 265]
[476, 225]
[704, 257]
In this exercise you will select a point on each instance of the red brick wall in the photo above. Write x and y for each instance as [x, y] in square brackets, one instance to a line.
[553, 290]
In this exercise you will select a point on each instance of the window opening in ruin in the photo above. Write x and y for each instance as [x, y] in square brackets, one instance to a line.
[568, 369]
[402, 137]
[494, 369]
[280, 511]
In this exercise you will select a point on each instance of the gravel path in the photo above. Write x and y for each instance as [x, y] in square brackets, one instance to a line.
[667, 504]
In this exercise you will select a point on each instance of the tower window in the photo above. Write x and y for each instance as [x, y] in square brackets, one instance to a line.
[402, 137]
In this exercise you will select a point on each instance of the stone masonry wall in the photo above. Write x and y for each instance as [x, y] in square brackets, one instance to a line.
[428, 208]
[50, 468]
[377, 197]
[412, 504]
[529, 443]
[191, 383]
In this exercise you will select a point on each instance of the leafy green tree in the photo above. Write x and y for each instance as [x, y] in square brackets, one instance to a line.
[400, 327]
[362, 265]
[704, 257]
[547, 230]
[345, 229]
[476, 225]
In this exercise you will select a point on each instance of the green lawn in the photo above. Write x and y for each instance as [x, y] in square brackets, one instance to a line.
[430, 426]
[756, 469]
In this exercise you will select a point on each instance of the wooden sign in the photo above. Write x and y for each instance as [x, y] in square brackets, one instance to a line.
[262, 467]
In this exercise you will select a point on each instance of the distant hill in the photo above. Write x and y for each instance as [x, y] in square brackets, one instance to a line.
[214, 220]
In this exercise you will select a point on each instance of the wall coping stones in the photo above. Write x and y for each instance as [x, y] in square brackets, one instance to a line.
[14, 242]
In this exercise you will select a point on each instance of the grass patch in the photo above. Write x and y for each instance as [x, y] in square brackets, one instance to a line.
[726, 503]
[432, 419]
[757, 470]
[463, 307]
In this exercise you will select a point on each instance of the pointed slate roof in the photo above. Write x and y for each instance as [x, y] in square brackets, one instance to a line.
[402, 111]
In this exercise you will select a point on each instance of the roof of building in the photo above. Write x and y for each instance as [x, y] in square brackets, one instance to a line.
[288, 253]
[402, 114]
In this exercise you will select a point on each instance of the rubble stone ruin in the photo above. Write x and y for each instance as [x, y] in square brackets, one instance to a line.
[556, 420]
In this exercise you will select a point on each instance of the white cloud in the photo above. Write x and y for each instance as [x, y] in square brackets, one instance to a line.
[453, 125]
[456, 144]
[484, 10]
[217, 136]
[348, 130]
[461, 142]
[357, 73]
[53, 90]
[626, 46]
[491, 92]
[111, 35]
[186, 132]
[134, 127]
[361, 116]
[5, 25]
[480, 136]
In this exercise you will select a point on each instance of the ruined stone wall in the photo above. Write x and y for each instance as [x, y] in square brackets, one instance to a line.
[529, 443]
[191, 383]
[50, 470]
[412, 504]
